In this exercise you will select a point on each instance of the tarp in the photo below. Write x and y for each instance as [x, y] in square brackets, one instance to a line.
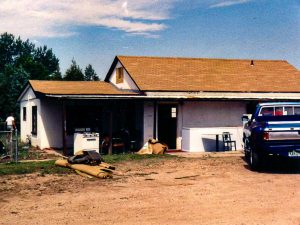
[102, 170]
[153, 146]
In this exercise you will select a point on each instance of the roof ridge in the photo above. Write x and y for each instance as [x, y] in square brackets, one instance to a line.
[195, 58]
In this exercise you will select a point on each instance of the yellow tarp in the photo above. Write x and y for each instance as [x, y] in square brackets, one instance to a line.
[103, 170]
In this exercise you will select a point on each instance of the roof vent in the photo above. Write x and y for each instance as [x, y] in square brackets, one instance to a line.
[252, 63]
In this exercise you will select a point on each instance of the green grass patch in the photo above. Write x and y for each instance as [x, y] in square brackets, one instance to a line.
[131, 157]
[42, 167]
[48, 167]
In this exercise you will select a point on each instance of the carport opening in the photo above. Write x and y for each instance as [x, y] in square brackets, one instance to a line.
[121, 122]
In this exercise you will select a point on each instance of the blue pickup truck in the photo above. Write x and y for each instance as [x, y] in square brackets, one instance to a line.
[273, 129]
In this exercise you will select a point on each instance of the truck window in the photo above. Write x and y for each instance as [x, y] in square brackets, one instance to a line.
[278, 111]
[296, 110]
[288, 111]
[267, 111]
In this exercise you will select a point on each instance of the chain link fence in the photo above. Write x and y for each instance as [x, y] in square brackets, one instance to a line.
[9, 144]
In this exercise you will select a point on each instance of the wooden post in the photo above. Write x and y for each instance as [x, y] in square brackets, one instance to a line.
[64, 127]
[110, 131]
[155, 120]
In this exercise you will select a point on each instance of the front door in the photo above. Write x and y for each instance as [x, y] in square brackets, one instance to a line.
[167, 124]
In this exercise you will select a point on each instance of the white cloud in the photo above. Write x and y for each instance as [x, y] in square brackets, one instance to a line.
[226, 3]
[57, 18]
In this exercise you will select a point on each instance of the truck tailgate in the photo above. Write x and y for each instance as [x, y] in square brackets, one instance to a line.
[283, 130]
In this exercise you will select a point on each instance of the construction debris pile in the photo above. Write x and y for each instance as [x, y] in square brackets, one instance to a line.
[88, 163]
[153, 146]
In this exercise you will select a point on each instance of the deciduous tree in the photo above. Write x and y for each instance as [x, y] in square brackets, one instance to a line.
[19, 62]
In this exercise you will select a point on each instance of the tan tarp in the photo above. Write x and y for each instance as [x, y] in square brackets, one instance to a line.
[103, 170]
[153, 147]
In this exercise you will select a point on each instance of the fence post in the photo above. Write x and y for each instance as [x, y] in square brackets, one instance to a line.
[16, 145]
[11, 144]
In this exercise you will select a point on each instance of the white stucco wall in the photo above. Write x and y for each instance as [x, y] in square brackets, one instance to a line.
[200, 121]
[49, 121]
[51, 126]
[128, 83]
[28, 100]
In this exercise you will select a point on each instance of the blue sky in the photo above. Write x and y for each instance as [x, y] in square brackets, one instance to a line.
[94, 31]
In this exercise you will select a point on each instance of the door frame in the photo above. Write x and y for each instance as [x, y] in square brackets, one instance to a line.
[156, 118]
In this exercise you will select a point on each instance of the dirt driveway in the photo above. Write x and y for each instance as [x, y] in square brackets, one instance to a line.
[205, 190]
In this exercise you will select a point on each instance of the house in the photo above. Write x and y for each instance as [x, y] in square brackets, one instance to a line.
[185, 102]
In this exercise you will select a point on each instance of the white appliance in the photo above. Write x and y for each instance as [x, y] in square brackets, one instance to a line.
[86, 141]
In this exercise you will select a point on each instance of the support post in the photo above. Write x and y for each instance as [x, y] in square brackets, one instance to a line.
[110, 131]
[64, 127]
[155, 120]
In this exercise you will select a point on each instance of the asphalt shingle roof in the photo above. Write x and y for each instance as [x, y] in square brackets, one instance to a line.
[76, 88]
[218, 75]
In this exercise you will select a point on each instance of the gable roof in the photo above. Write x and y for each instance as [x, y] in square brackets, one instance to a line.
[76, 88]
[215, 75]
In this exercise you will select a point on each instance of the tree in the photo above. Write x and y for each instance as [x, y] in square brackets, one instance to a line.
[90, 74]
[21, 61]
[74, 72]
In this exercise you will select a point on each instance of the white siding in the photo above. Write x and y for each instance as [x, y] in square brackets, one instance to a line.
[198, 122]
[51, 130]
[28, 100]
[128, 83]
[49, 121]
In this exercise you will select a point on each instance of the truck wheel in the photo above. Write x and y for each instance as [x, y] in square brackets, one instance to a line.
[254, 160]
[247, 155]
[246, 149]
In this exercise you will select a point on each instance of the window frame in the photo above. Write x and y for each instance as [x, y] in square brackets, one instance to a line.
[119, 75]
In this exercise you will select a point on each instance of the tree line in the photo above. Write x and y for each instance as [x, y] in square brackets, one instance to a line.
[21, 61]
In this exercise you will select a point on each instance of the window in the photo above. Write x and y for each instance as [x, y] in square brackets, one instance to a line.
[34, 120]
[279, 111]
[24, 114]
[173, 112]
[297, 110]
[267, 111]
[289, 110]
[119, 75]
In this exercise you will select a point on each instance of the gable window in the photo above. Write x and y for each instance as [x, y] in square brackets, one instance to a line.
[24, 114]
[34, 120]
[119, 75]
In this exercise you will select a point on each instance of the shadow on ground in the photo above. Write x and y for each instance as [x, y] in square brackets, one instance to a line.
[278, 165]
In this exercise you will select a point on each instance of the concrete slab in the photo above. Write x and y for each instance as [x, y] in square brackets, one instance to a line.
[238, 153]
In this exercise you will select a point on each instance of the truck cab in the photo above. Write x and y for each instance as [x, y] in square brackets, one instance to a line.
[273, 129]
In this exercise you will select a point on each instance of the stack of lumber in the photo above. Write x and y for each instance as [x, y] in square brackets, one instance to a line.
[103, 170]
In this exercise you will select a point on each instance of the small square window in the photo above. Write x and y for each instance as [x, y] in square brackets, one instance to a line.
[173, 112]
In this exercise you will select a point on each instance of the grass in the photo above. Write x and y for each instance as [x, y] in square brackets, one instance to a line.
[42, 167]
[48, 167]
[131, 157]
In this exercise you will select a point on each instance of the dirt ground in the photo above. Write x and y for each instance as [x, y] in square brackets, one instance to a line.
[197, 190]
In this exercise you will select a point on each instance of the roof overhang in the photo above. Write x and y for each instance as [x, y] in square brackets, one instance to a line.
[190, 96]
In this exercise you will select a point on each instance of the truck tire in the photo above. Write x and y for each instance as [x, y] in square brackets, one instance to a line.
[246, 149]
[255, 160]
[247, 155]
